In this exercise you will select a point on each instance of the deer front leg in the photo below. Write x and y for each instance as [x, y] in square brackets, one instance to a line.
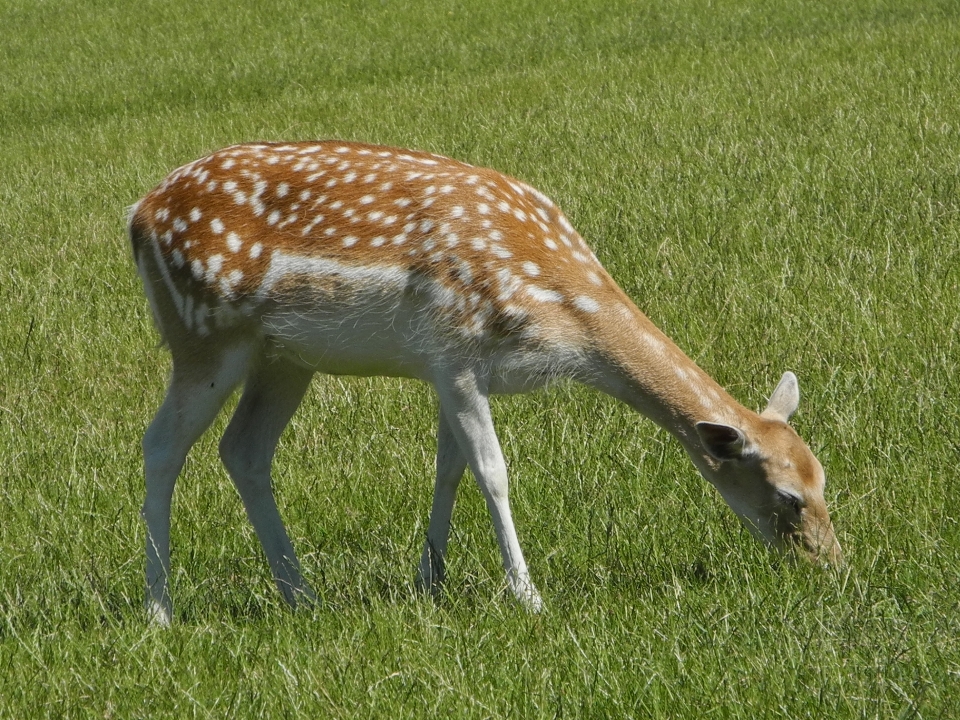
[451, 463]
[466, 406]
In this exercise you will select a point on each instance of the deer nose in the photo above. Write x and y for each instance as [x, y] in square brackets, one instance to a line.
[823, 548]
[835, 557]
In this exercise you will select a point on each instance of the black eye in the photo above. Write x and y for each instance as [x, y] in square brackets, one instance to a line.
[788, 499]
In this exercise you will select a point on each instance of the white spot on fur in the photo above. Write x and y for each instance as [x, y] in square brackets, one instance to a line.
[214, 265]
[587, 304]
[255, 250]
[508, 284]
[308, 228]
[233, 242]
[530, 268]
[542, 295]
[654, 342]
[195, 215]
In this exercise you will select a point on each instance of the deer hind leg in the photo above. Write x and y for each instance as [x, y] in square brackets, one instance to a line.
[199, 385]
[272, 394]
[451, 462]
[466, 407]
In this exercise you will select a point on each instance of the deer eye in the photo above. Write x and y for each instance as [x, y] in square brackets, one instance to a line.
[790, 500]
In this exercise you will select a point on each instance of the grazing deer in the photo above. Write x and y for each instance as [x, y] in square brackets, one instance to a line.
[264, 263]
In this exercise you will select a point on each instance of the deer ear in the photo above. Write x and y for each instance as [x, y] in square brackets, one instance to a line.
[724, 442]
[784, 400]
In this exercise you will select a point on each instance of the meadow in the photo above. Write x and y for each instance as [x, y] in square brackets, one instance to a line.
[776, 184]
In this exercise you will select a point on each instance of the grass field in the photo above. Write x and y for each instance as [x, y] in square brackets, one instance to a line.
[777, 184]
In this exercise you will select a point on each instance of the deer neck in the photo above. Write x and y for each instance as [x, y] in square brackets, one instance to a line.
[645, 369]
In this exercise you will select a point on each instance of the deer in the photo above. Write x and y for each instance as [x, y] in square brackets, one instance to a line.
[264, 263]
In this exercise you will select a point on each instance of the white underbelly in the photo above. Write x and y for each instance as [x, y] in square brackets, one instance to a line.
[383, 321]
[344, 343]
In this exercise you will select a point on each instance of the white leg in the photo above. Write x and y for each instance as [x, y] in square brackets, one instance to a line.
[451, 463]
[271, 396]
[466, 406]
[196, 393]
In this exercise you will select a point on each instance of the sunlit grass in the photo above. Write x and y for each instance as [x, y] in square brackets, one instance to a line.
[778, 187]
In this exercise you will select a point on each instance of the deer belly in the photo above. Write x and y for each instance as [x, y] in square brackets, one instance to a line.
[339, 340]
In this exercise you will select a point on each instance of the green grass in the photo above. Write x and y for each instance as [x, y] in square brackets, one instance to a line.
[776, 184]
